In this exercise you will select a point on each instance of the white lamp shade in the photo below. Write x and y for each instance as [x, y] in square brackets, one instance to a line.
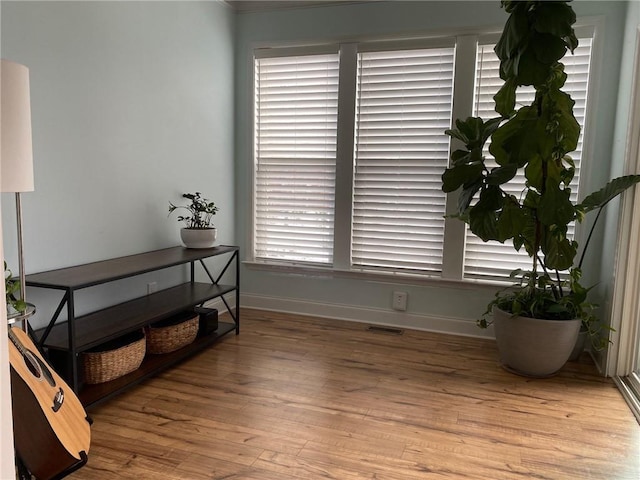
[16, 157]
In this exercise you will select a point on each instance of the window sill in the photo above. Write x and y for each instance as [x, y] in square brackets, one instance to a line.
[401, 278]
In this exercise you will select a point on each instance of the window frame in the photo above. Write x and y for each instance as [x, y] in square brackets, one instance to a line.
[465, 41]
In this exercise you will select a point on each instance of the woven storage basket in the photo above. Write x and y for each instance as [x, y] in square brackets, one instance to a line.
[173, 333]
[113, 359]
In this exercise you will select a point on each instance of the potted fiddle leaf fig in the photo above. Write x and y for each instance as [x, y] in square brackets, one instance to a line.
[199, 231]
[537, 320]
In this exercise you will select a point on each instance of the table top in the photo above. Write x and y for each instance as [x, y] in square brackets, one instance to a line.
[95, 273]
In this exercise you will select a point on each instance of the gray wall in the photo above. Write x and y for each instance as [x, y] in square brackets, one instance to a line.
[618, 167]
[432, 304]
[132, 105]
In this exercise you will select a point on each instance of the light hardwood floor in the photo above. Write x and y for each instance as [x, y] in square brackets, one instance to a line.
[297, 397]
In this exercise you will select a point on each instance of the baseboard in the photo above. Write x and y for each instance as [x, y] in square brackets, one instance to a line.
[430, 323]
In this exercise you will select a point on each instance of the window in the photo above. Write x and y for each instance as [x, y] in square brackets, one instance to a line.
[403, 106]
[296, 113]
[350, 149]
[494, 260]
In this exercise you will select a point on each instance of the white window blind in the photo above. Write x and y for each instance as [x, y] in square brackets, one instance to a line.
[403, 107]
[493, 260]
[388, 184]
[296, 103]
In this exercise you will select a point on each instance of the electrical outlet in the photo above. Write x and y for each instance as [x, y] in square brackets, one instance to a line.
[399, 301]
[152, 287]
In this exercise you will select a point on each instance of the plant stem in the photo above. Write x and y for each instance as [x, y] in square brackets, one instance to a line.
[586, 244]
[554, 288]
[559, 283]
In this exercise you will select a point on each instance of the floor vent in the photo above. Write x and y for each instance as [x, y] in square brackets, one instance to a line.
[387, 330]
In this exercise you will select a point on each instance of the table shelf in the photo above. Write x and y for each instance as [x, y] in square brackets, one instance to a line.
[104, 325]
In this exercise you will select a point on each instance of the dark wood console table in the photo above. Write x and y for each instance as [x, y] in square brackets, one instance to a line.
[69, 338]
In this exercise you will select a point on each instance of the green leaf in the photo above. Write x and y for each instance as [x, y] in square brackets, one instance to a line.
[548, 48]
[460, 157]
[518, 241]
[513, 34]
[579, 293]
[506, 98]
[531, 71]
[558, 77]
[555, 207]
[554, 174]
[559, 253]
[483, 219]
[483, 223]
[470, 128]
[533, 173]
[521, 138]
[471, 131]
[569, 171]
[607, 193]
[455, 133]
[454, 177]
[500, 175]
[557, 19]
[491, 198]
[467, 194]
[572, 42]
[509, 67]
[556, 308]
[511, 221]
[527, 235]
[568, 128]
[489, 127]
[531, 200]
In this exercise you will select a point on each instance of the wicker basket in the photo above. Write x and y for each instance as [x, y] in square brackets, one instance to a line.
[113, 359]
[173, 333]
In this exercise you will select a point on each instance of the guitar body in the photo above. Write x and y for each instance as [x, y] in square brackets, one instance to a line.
[52, 432]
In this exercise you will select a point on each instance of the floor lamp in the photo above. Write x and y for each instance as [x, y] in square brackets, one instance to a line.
[16, 152]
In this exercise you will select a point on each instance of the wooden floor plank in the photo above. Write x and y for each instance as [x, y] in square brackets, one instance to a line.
[295, 397]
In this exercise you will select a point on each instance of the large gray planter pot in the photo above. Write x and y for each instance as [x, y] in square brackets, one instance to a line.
[534, 347]
[581, 343]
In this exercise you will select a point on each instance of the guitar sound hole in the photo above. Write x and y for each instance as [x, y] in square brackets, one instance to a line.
[32, 364]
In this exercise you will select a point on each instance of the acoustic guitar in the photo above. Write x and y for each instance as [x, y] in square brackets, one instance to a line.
[52, 432]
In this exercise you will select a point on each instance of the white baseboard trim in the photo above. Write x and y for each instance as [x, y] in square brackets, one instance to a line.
[374, 316]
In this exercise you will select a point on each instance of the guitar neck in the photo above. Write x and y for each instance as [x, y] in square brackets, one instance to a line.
[17, 343]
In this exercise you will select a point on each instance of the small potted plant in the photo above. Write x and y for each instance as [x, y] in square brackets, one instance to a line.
[537, 320]
[12, 286]
[199, 231]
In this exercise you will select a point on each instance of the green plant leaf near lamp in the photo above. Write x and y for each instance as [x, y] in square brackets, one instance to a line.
[199, 231]
[12, 289]
[537, 320]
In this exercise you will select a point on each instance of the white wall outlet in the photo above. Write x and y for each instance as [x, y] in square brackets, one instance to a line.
[399, 301]
[152, 287]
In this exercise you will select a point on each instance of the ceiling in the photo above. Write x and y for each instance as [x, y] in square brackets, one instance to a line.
[262, 5]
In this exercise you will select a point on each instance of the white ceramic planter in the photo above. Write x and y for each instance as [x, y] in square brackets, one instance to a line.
[198, 237]
[531, 346]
